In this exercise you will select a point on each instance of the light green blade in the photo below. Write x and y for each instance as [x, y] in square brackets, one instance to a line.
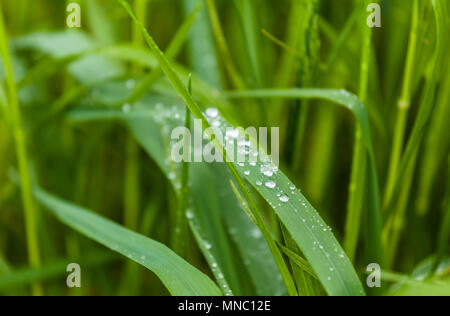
[180, 278]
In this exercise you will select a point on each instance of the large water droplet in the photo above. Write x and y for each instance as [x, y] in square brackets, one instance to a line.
[212, 112]
[189, 214]
[270, 184]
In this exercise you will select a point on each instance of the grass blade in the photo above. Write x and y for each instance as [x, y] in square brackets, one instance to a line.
[180, 278]
[22, 157]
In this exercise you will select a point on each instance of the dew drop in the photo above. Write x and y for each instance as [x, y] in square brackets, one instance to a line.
[284, 198]
[212, 112]
[189, 214]
[126, 108]
[270, 184]
[256, 233]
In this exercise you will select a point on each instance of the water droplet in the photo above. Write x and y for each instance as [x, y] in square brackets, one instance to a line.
[270, 184]
[268, 170]
[258, 183]
[208, 245]
[292, 187]
[268, 173]
[247, 173]
[189, 214]
[212, 112]
[284, 198]
[256, 233]
[220, 276]
[126, 108]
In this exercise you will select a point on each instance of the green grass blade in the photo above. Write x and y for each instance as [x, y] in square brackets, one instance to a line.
[209, 196]
[223, 47]
[177, 84]
[299, 261]
[427, 105]
[22, 156]
[373, 222]
[4, 267]
[180, 278]
[246, 11]
[397, 207]
[201, 46]
[444, 234]
[320, 247]
[403, 105]
[329, 261]
[98, 22]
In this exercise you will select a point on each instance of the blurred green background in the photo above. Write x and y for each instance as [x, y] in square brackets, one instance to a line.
[266, 44]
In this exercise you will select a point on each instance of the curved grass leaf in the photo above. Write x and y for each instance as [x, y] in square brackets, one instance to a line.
[324, 254]
[307, 228]
[372, 217]
[212, 201]
[180, 278]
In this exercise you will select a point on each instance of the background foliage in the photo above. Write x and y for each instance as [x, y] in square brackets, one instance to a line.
[85, 122]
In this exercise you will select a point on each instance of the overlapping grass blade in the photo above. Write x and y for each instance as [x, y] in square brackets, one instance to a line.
[330, 263]
[180, 278]
[373, 222]
[212, 200]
